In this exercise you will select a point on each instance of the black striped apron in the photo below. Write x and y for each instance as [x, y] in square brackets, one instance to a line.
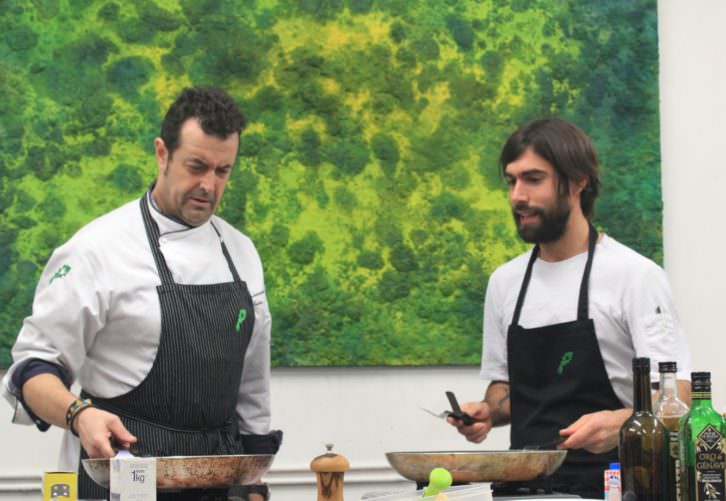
[186, 405]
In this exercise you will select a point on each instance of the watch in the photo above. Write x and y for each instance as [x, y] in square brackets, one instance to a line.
[261, 489]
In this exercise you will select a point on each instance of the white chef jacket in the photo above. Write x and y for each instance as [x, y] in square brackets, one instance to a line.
[96, 311]
[630, 303]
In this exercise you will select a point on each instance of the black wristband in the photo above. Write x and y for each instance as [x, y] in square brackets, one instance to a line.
[262, 490]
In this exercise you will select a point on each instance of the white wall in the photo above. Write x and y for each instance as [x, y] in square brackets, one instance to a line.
[366, 412]
[693, 108]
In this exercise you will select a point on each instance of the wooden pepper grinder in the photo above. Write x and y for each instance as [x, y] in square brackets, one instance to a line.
[330, 468]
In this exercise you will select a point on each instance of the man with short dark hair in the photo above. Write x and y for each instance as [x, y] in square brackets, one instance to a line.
[158, 310]
[563, 321]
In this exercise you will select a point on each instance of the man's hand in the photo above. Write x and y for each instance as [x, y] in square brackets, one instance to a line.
[493, 411]
[95, 427]
[482, 416]
[597, 432]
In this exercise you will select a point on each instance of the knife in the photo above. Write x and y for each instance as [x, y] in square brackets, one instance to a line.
[549, 445]
[457, 412]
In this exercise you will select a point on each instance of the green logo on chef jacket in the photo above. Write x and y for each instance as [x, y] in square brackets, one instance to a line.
[240, 319]
[62, 272]
[564, 362]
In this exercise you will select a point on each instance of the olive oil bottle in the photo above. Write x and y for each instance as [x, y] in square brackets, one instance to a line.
[702, 453]
[669, 409]
[643, 446]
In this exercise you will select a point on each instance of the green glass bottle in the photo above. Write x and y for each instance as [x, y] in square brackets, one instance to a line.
[643, 445]
[702, 453]
[669, 409]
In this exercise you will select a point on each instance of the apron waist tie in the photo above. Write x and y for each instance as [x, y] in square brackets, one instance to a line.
[224, 434]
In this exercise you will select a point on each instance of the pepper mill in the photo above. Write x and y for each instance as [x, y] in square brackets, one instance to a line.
[330, 468]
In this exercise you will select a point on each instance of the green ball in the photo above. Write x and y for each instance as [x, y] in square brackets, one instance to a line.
[440, 478]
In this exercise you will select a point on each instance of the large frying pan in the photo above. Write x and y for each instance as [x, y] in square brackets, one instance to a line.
[195, 472]
[478, 466]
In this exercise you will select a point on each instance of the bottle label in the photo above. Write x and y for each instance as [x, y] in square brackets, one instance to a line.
[710, 463]
[612, 485]
[675, 462]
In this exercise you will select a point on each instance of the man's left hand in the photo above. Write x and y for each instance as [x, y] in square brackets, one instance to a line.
[597, 432]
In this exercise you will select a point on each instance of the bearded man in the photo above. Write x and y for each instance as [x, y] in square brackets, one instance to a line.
[563, 321]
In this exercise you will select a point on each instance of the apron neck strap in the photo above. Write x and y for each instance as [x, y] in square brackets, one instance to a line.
[583, 298]
[152, 233]
[226, 254]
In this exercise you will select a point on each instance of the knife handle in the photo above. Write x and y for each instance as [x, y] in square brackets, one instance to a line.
[457, 413]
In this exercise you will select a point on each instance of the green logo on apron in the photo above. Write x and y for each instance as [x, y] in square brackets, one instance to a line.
[240, 319]
[564, 362]
[62, 272]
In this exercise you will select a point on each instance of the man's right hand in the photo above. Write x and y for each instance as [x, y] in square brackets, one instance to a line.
[481, 413]
[96, 427]
[49, 399]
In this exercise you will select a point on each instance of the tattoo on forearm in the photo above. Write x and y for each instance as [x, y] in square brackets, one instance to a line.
[504, 399]
[498, 397]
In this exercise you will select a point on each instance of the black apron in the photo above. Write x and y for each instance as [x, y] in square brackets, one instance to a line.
[186, 405]
[557, 374]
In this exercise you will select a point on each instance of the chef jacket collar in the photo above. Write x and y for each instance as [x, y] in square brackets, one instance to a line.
[168, 224]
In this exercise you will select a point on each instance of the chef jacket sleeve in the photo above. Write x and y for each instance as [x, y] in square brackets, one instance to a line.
[653, 322]
[262, 444]
[253, 403]
[494, 345]
[29, 369]
[69, 309]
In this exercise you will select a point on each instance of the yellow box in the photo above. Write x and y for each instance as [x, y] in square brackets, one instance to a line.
[60, 486]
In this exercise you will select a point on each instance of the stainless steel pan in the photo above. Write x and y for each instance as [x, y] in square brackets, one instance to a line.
[478, 466]
[195, 472]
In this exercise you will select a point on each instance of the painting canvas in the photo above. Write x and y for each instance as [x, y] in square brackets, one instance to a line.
[368, 174]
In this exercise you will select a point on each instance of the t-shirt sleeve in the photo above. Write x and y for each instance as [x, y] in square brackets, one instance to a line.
[494, 345]
[653, 322]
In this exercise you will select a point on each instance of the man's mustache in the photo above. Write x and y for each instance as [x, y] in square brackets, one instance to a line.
[525, 207]
[207, 197]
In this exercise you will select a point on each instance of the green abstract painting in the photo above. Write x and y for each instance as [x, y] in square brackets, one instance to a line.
[368, 175]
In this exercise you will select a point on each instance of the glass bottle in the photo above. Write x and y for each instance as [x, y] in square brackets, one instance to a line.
[643, 444]
[702, 452]
[669, 410]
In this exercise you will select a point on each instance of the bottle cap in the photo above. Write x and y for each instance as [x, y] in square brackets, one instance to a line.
[701, 381]
[667, 367]
[700, 376]
[641, 363]
[614, 466]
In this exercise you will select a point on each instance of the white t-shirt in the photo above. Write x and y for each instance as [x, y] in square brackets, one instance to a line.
[96, 310]
[630, 303]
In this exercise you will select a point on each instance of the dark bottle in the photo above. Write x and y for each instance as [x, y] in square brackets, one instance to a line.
[669, 409]
[702, 449]
[643, 444]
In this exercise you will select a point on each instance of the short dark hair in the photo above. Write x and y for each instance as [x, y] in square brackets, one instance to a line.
[216, 111]
[566, 147]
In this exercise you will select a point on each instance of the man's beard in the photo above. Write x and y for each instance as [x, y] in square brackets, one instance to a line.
[552, 222]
